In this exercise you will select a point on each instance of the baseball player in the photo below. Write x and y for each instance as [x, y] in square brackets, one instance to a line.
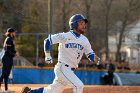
[7, 60]
[72, 46]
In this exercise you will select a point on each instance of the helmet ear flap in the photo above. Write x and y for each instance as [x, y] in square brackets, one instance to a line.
[74, 25]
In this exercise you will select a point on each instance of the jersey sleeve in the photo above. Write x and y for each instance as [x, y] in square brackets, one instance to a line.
[54, 39]
[58, 38]
[89, 52]
[9, 47]
[47, 44]
[9, 42]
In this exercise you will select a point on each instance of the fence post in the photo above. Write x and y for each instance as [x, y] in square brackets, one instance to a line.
[37, 48]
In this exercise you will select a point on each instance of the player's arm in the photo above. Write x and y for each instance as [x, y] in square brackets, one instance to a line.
[89, 52]
[7, 46]
[8, 43]
[91, 55]
[47, 46]
[53, 39]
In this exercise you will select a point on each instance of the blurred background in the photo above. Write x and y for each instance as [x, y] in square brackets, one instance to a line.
[113, 29]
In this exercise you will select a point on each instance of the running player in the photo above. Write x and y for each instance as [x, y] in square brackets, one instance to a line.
[72, 46]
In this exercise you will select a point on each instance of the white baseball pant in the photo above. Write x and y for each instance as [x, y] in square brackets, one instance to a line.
[64, 76]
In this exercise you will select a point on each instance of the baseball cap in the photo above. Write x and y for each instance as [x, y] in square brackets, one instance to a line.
[11, 30]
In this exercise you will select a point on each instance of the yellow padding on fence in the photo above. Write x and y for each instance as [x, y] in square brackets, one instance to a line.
[88, 69]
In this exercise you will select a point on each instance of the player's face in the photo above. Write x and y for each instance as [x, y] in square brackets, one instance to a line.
[81, 27]
[13, 34]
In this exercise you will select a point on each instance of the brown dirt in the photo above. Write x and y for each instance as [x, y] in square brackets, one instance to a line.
[87, 89]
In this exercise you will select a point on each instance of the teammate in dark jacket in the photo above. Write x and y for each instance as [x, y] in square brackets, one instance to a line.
[7, 59]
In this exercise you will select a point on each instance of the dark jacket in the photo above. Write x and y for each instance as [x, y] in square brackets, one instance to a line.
[9, 47]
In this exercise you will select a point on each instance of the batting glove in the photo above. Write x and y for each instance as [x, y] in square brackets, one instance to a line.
[98, 61]
[48, 58]
[99, 66]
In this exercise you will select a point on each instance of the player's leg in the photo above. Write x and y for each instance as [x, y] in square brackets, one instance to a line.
[6, 83]
[55, 87]
[26, 90]
[7, 71]
[76, 83]
[1, 78]
[3, 70]
[71, 79]
[7, 65]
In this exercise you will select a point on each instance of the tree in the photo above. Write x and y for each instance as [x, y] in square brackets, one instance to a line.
[126, 18]
[108, 4]
[102, 13]
[88, 15]
[66, 11]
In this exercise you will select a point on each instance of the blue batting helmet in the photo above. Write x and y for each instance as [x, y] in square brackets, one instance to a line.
[73, 20]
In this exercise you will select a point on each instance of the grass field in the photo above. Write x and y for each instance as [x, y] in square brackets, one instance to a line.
[87, 89]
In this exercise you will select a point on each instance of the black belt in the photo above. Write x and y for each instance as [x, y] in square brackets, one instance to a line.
[67, 66]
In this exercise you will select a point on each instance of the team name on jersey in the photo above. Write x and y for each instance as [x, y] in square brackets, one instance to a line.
[74, 45]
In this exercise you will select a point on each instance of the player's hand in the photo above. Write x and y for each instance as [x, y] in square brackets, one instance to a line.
[97, 60]
[98, 63]
[48, 59]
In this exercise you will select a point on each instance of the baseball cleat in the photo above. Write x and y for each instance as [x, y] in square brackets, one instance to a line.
[25, 90]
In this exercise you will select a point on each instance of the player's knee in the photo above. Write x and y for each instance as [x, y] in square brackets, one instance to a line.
[5, 75]
[78, 88]
[79, 85]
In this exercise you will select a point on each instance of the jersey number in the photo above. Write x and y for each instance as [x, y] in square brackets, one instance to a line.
[78, 56]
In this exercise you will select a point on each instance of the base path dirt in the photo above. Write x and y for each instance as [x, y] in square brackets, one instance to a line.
[87, 89]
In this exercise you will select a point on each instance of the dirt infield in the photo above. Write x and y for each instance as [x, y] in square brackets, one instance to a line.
[87, 89]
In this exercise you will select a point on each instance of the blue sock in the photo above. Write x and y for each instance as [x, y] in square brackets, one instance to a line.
[39, 90]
